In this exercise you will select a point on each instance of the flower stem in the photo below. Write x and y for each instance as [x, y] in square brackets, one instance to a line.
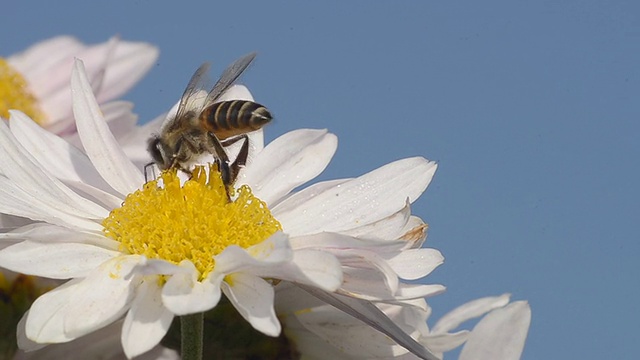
[191, 329]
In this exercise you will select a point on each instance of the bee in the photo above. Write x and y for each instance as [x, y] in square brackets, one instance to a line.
[209, 126]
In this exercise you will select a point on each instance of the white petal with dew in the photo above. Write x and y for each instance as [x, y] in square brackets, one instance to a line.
[387, 228]
[101, 147]
[54, 260]
[469, 310]
[102, 297]
[289, 161]
[413, 264]
[360, 201]
[253, 298]
[501, 334]
[147, 322]
[293, 200]
[183, 294]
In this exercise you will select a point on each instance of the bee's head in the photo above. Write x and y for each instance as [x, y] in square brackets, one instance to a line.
[157, 151]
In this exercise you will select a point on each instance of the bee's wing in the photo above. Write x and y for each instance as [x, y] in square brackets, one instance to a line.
[197, 83]
[228, 77]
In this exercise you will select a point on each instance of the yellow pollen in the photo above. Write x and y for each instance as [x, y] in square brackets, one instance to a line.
[15, 94]
[191, 222]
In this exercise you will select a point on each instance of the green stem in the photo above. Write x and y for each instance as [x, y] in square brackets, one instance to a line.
[191, 329]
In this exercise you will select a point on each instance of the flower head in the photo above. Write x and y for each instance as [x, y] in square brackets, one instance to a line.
[36, 81]
[94, 227]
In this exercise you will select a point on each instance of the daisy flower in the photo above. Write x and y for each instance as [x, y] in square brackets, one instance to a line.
[36, 81]
[145, 253]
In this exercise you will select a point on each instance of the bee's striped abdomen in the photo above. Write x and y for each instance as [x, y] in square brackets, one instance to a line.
[235, 117]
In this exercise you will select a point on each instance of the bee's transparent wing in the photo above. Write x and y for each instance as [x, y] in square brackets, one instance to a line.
[198, 82]
[228, 77]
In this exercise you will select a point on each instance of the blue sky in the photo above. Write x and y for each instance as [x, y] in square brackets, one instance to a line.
[531, 109]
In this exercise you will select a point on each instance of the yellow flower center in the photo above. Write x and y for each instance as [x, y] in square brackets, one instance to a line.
[15, 94]
[191, 222]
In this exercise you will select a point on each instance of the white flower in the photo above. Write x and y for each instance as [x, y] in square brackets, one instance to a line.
[72, 195]
[43, 70]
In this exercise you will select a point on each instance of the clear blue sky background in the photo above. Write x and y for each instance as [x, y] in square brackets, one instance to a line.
[531, 108]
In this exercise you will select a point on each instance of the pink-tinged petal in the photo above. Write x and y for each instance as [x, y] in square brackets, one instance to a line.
[288, 162]
[467, 311]
[54, 154]
[54, 260]
[183, 294]
[101, 147]
[102, 297]
[253, 298]
[501, 334]
[316, 268]
[387, 228]
[358, 202]
[36, 62]
[413, 264]
[128, 63]
[45, 322]
[147, 322]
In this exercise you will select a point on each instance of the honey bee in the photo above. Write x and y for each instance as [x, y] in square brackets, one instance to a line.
[209, 126]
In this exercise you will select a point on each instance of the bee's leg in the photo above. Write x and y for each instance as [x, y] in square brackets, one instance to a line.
[215, 147]
[146, 171]
[241, 159]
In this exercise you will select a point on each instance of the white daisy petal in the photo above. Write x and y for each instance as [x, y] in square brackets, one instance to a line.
[45, 322]
[52, 259]
[297, 198]
[470, 310]
[499, 335]
[16, 201]
[311, 267]
[386, 228]
[357, 202]
[147, 321]
[273, 251]
[42, 232]
[20, 167]
[271, 180]
[253, 298]
[413, 291]
[184, 294]
[24, 343]
[52, 152]
[100, 145]
[440, 343]
[102, 297]
[413, 264]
